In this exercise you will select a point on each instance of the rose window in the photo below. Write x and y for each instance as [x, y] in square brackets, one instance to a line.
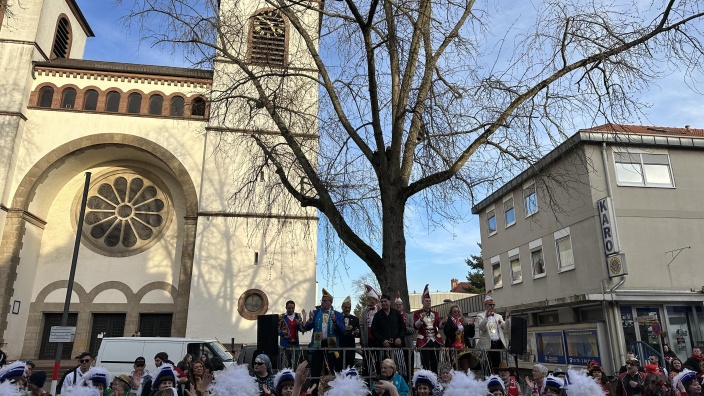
[125, 213]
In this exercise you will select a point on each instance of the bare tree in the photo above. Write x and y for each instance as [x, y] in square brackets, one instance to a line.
[382, 104]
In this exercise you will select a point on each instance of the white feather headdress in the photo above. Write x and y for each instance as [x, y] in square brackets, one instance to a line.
[8, 389]
[15, 369]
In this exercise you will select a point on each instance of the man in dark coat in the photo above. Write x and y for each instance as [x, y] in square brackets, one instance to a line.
[347, 339]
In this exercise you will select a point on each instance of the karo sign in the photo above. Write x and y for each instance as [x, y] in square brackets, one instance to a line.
[608, 226]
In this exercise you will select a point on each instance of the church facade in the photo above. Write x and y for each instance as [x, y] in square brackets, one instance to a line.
[165, 247]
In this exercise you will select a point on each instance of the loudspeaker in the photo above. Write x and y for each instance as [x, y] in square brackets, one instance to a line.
[268, 336]
[519, 336]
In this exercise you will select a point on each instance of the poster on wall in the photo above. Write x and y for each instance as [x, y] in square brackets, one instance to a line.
[582, 347]
[551, 347]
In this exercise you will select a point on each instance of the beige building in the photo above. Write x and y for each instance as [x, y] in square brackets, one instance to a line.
[598, 246]
[165, 248]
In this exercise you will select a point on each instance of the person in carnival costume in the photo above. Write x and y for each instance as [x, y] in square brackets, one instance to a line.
[428, 339]
[554, 386]
[513, 388]
[327, 325]
[492, 326]
[98, 378]
[347, 383]
[579, 383]
[11, 379]
[687, 384]
[495, 386]
[424, 382]
[372, 363]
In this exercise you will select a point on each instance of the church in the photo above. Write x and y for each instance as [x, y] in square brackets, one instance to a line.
[167, 247]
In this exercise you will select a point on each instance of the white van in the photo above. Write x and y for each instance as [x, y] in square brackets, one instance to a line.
[117, 354]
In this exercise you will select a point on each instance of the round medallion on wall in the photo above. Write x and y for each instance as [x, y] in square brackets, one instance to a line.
[252, 303]
[126, 213]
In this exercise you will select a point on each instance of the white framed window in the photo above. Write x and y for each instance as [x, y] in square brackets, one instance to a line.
[515, 266]
[509, 212]
[537, 261]
[496, 272]
[563, 245]
[643, 170]
[491, 221]
[530, 199]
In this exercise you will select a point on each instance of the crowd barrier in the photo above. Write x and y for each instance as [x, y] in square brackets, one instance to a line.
[367, 360]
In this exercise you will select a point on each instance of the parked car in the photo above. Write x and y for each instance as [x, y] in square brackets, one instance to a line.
[117, 354]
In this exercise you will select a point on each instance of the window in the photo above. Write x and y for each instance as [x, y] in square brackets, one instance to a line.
[563, 244]
[268, 45]
[536, 261]
[46, 96]
[62, 39]
[253, 303]
[644, 170]
[134, 103]
[90, 100]
[509, 212]
[68, 98]
[491, 221]
[198, 107]
[112, 102]
[155, 104]
[496, 272]
[515, 263]
[177, 105]
[531, 200]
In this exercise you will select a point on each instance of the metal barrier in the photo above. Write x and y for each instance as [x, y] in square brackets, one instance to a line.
[369, 359]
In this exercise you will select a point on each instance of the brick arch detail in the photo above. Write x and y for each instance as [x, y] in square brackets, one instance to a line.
[165, 286]
[122, 109]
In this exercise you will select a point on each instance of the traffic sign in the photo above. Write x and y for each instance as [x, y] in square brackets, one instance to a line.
[62, 333]
[657, 329]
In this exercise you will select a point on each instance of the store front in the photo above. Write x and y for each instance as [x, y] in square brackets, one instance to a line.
[679, 326]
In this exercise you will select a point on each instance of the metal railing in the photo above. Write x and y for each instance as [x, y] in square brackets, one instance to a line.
[643, 350]
[368, 360]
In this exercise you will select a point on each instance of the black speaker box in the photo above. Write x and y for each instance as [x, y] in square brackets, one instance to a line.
[268, 336]
[519, 336]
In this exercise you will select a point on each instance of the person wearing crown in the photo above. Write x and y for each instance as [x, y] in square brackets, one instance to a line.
[290, 324]
[347, 339]
[427, 322]
[366, 338]
[327, 325]
[491, 326]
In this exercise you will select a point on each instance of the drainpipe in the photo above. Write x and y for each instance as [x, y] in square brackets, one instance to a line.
[616, 315]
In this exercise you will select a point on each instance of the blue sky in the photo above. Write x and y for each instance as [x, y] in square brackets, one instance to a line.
[435, 255]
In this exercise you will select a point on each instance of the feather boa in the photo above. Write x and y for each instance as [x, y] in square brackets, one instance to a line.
[344, 385]
[8, 389]
[465, 385]
[581, 384]
[234, 380]
[18, 366]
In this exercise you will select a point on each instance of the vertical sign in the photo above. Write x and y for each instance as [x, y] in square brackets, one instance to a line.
[608, 226]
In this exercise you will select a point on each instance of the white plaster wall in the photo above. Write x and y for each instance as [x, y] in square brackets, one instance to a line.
[157, 297]
[59, 296]
[23, 25]
[47, 28]
[224, 269]
[17, 323]
[110, 296]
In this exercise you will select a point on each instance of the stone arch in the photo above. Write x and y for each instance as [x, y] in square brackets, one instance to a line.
[19, 214]
[167, 287]
[62, 284]
[112, 285]
[28, 185]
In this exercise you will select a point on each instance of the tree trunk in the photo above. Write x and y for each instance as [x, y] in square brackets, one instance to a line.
[392, 272]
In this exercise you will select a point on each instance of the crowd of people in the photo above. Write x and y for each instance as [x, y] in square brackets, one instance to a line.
[384, 332]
